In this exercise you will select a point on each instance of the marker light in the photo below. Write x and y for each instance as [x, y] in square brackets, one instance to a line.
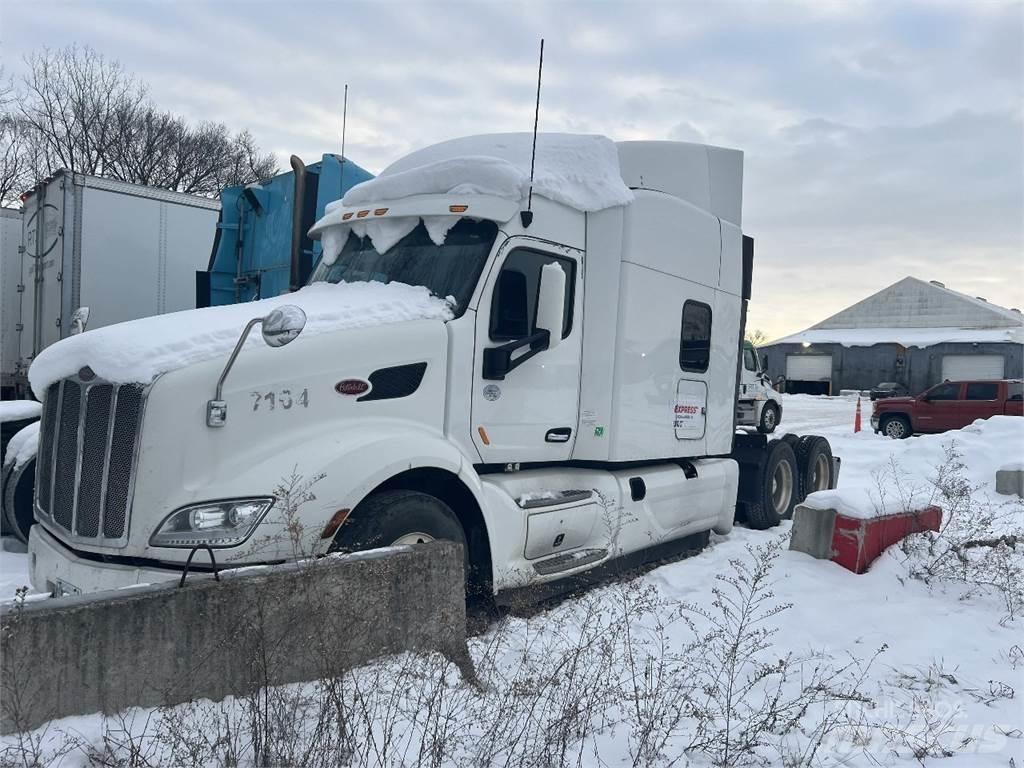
[346, 216]
[458, 208]
[380, 211]
[363, 214]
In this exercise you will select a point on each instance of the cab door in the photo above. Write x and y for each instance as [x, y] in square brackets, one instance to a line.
[936, 410]
[531, 412]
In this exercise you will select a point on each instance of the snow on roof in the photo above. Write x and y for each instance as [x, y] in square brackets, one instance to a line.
[915, 303]
[16, 410]
[140, 350]
[906, 337]
[580, 171]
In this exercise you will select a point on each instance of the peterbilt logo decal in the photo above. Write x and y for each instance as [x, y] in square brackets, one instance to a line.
[352, 387]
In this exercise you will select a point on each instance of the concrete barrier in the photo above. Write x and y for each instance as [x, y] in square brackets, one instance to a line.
[852, 542]
[1010, 480]
[157, 645]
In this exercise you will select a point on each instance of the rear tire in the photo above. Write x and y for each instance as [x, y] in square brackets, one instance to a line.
[896, 427]
[777, 488]
[769, 418]
[392, 518]
[816, 471]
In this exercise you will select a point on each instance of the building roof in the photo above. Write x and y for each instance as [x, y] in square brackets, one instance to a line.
[915, 313]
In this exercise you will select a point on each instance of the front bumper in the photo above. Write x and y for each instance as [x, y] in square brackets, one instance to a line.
[55, 568]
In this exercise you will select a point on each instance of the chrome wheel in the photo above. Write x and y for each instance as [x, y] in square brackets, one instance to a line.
[769, 419]
[896, 429]
[820, 476]
[412, 538]
[782, 487]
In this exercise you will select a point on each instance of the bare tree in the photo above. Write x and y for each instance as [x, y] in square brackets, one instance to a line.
[756, 337]
[80, 111]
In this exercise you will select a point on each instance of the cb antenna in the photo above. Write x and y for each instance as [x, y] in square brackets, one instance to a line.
[344, 120]
[526, 217]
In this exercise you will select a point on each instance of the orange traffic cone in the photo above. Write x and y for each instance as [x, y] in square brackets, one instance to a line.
[856, 419]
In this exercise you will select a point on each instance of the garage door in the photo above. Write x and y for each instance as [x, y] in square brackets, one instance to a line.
[809, 367]
[955, 367]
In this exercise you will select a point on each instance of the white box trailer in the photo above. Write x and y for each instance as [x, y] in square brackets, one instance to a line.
[123, 250]
[10, 292]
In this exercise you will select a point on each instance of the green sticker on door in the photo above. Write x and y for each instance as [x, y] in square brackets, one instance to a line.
[598, 431]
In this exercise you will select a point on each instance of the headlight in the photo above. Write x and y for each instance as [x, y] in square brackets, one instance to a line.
[215, 524]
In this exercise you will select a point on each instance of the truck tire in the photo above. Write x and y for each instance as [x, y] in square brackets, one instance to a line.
[391, 518]
[777, 487]
[896, 426]
[769, 418]
[17, 499]
[815, 470]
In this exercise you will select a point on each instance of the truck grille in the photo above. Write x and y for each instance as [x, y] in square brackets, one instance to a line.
[88, 443]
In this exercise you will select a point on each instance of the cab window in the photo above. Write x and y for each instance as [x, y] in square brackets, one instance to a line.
[1015, 390]
[514, 303]
[695, 337]
[750, 360]
[947, 391]
[983, 390]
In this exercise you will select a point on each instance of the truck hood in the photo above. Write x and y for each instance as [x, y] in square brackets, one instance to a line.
[141, 350]
[893, 401]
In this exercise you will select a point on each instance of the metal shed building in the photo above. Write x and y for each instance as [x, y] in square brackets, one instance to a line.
[914, 332]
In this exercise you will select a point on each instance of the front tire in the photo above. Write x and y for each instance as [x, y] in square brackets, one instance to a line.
[394, 518]
[769, 418]
[18, 513]
[896, 427]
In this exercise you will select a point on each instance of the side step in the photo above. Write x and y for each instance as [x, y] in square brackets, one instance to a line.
[569, 560]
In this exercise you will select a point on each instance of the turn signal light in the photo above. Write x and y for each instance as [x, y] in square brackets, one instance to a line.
[458, 208]
[334, 523]
[483, 435]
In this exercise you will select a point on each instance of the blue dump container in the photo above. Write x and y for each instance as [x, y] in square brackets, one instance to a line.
[258, 250]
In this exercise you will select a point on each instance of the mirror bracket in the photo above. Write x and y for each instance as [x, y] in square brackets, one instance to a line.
[498, 361]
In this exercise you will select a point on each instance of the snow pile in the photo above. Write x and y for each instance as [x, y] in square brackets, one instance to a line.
[22, 447]
[870, 489]
[907, 337]
[141, 350]
[17, 410]
[580, 171]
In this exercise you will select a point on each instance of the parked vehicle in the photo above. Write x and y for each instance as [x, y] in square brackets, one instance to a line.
[949, 405]
[758, 404]
[549, 418]
[118, 251]
[887, 389]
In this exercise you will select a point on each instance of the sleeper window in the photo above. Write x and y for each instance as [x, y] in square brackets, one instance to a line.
[695, 337]
[514, 304]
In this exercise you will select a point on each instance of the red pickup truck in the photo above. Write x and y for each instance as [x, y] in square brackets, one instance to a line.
[949, 405]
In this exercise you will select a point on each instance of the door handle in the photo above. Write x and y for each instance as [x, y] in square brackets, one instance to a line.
[558, 435]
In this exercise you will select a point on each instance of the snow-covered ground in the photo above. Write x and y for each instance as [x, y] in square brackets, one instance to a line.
[629, 673]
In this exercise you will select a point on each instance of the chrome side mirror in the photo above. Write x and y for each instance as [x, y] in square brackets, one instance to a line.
[280, 326]
[283, 325]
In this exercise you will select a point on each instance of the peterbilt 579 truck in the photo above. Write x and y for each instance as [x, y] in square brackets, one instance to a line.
[543, 369]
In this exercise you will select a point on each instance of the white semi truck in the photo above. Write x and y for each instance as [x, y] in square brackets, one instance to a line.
[758, 403]
[560, 394]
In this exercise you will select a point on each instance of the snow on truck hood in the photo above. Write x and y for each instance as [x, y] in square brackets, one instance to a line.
[580, 171]
[140, 350]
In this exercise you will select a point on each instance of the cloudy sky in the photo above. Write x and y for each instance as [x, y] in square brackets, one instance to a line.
[882, 139]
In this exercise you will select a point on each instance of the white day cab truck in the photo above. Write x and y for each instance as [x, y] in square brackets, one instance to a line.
[545, 373]
[758, 404]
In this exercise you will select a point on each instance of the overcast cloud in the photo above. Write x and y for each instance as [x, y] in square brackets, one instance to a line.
[881, 139]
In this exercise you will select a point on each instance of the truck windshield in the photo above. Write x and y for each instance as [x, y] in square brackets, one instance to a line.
[446, 270]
